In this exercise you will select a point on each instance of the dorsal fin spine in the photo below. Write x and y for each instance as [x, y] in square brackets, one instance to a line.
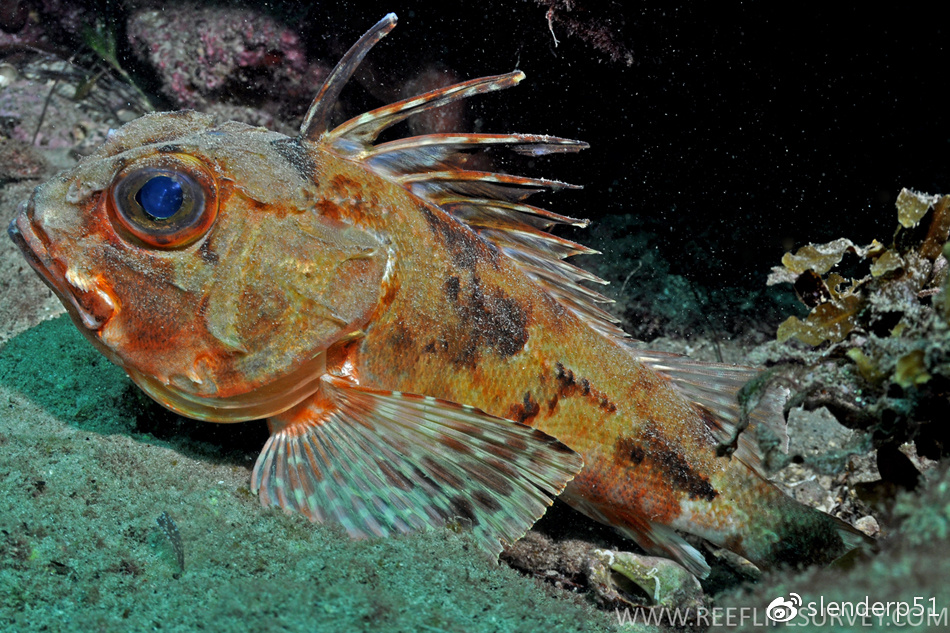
[317, 120]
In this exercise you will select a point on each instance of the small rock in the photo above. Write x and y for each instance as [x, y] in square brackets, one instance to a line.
[868, 525]
[667, 583]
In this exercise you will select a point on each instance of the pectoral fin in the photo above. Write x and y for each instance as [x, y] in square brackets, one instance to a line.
[383, 462]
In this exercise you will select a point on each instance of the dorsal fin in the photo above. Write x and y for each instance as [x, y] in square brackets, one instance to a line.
[366, 127]
[491, 204]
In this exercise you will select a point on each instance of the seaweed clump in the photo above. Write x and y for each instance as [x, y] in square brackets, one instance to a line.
[877, 337]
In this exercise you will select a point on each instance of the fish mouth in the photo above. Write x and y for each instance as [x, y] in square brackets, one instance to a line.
[87, 300]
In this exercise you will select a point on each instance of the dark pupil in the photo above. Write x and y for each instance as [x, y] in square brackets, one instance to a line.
[160, 197]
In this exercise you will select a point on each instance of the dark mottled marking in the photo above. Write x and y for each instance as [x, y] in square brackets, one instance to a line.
[438, 472]
[695, 485]
[524, 411]
[565, 381]
[208, 255]
[464, 246]
[297, 156]
[486, 320]
[625, 449]
[429, 348]
[455, 445]
[667, 458]
[451, 288]
[568, 386]
[171, 149]
[506, 329]
[462, 507]
[486, 501]
[637, 454]
[400, 340]
[490, 319]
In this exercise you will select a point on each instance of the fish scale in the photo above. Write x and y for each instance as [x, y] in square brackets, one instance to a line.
[422, 350]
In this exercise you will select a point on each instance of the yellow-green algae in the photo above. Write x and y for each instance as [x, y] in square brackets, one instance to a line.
[81, 487]
[911, 269]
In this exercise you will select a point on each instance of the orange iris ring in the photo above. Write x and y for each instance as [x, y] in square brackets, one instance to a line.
[152, 233]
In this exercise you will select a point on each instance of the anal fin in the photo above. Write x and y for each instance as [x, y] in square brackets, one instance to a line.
[655, 538]
[382, 463]
[665, 541]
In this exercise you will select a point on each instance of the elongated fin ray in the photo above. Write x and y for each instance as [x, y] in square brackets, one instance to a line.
[432, 185]
[472, 210]
[530, 238]
[317, 119]
[366, 127]
[380, 462]
[461, 175]
[441, 145]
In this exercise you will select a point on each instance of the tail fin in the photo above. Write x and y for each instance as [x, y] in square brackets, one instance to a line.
[796, 535]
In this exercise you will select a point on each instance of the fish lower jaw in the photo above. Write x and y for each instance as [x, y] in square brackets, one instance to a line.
[87, 299]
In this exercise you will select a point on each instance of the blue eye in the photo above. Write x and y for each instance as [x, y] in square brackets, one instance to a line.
[168, 205]
[161, 197]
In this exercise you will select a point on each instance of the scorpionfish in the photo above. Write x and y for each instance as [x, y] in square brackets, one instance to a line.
[409, 327]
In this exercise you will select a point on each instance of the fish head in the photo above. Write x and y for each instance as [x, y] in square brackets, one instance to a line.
[198, 258]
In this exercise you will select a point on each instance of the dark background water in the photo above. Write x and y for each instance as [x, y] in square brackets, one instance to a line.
[740, 130]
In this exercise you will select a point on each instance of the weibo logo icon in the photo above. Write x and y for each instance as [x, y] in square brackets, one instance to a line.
[782, 610]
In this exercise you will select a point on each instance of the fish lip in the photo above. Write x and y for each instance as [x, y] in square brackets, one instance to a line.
[94, 307]
[28, 240]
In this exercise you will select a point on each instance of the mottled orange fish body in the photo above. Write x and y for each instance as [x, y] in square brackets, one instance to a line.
[407, 324]
[462, 322]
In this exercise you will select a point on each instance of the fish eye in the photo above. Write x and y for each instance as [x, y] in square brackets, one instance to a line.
[168, 202]
[160, 197]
